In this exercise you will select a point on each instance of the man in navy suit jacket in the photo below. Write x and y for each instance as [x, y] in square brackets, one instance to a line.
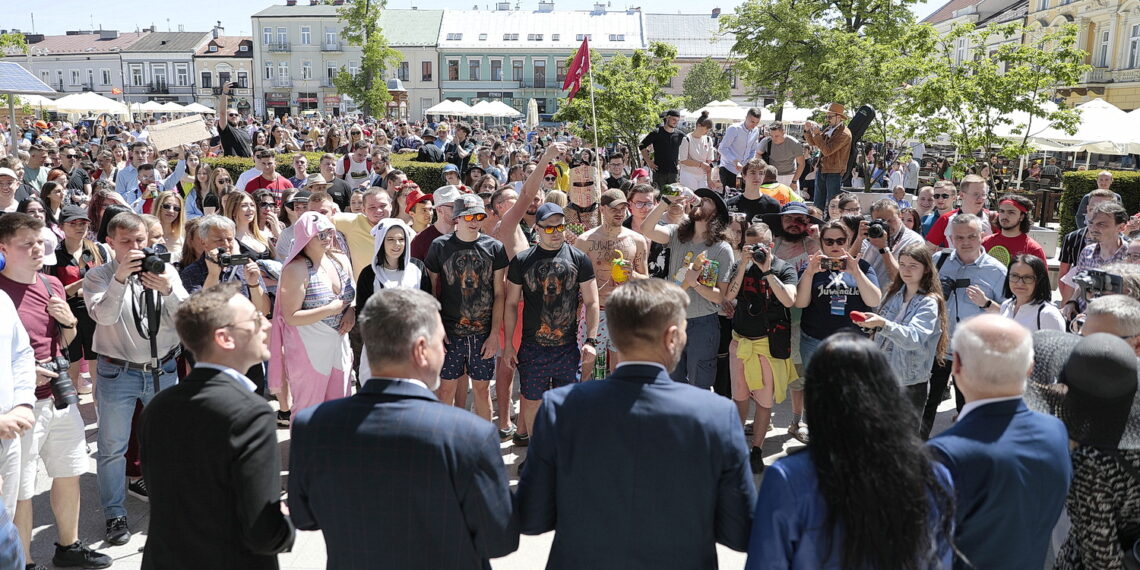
[638, 471]
[394, 478]
[1010, 465]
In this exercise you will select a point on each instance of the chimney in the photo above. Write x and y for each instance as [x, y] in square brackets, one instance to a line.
[108, 34]
[716, 12]
[290, 2]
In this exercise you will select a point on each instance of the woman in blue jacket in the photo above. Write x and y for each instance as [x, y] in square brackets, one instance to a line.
[912, 326]
[866, 493]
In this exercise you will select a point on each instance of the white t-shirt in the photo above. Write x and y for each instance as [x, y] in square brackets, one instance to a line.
[1029, 315]
[700, 150]
[357, 171]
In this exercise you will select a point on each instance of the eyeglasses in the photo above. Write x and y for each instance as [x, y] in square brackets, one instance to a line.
[222, 180]
[641, 204]
[941, 196]
[854, 210]
[474, 217]
[267, 205]
[258, 319]
[1026, 279]
[171, 208]
[834, 241]
[326, 234]
[551, 229]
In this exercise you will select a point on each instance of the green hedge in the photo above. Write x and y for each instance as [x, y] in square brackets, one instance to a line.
[1076, 184]
[429, 175]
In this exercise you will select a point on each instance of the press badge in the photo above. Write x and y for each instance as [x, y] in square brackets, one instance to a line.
[838, 305]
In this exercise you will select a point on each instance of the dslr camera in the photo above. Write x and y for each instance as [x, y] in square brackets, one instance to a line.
[759, 253]
[62, 388]
[154, 261]
[226, 259]
[949, 285]
[1094, 283]
[876, 227]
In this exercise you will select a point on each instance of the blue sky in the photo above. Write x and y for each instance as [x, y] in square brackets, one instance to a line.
[58, 16]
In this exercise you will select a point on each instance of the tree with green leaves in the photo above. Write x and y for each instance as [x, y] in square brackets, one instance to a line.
[629, 93]
[12, 44]
[1009, 72]
[361, 28]
[705, 83]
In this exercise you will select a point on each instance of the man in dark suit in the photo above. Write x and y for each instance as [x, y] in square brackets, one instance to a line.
[1010, 465]
[393, 477]
[638, 471]
[209, 446]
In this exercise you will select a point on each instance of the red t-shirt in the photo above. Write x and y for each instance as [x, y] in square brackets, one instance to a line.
[276, 185]
[31, 305]
[938, 234]
[422, 242]
[1006, 248]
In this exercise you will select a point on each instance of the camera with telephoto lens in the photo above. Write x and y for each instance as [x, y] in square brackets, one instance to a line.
[62, 389]
[949, 285]
[876, 228]
[154, 261]
[759, 254]
[1094, 283]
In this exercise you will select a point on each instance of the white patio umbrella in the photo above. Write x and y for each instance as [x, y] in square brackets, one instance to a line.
[149, 107]
[198, 108]
[38, 101]
[724, 111]
[172, 107]
[448, 107]
[1100, 131]
[502, 109]
[90, 103]
[481, 109]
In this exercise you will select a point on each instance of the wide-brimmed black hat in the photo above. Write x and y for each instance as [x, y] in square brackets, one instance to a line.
[1101, 379]
[721, 206]
[790, 209]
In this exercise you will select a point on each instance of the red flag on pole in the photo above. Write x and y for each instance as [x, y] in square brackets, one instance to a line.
[578, 68]
[116, 91]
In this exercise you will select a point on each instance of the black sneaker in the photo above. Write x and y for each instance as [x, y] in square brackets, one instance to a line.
[756, 459]
[34, 566]
[521, 439]
[137, 489]
[79, 555]
[283, 418]
[118, 532]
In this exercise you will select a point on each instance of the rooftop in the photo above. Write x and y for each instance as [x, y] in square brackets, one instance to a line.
[169, 42]
[540, 30]
[947, 10]
[83, 42]
[410, 28]
[227, 47]
[694, 35]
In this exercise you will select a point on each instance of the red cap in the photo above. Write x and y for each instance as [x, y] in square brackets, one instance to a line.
[415, 197]
[551, 171]
[639, 173]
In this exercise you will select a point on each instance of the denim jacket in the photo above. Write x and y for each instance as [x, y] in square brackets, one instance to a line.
[910, 342]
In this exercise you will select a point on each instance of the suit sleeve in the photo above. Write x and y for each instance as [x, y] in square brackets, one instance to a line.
[736, 493]
[257, 484]
[486, 505]
[536, 490]
[299, 509]
[774, 533]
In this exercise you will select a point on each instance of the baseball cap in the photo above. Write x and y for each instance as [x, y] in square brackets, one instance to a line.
[468, 204]
[73, 213]
[446, 194]
[302, 196]
[428, 133]
[672, 113]
[450, 168]
[548, 209]
[415, 197]
[8, 172]
[639, 173]
[612, 197]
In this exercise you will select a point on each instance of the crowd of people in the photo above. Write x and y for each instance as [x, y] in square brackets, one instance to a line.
[617, 322]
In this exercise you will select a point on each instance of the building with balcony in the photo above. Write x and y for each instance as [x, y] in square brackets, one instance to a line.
[223, 59]
[160, 67]
[83, 60]
[298, 49]
[696, 37]
[515, 55]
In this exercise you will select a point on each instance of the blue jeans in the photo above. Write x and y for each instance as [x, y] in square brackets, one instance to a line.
[808, 346]
[827, 186]
[698, 361]
[117, 388]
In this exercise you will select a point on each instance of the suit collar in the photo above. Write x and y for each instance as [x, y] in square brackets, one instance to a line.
[643, 373]
[392, 387]
[993, 407]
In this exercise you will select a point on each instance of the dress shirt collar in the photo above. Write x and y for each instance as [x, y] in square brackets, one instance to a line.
[971, 406]
[238, 376]
[408, 380]
[641, 363]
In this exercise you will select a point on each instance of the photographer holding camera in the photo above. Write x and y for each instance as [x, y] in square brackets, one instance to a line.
[57, 436]
[966, 272]
[884, 235]
[131, 358]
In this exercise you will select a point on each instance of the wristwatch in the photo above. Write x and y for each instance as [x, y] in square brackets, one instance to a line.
[988, 303]
[591, 341]
[884, 250]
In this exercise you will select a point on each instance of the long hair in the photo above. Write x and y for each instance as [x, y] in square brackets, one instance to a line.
[190, 249]
[178, 226]
[875, 475]
[231, 203]
[929, 286]
[203, 190]
[1042, 292]
[716, 230]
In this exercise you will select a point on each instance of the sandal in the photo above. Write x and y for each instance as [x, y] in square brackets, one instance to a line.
[799, 435]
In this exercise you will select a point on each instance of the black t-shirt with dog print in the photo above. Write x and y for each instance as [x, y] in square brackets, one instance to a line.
[549, 280]
[466, 272]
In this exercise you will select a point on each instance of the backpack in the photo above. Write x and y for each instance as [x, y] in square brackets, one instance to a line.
[346, 163]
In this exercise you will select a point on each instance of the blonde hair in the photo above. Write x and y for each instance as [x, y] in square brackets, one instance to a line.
[557, 197]
[179, 224]
[230, 206]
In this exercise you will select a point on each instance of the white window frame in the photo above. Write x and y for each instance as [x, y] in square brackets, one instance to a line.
[1042, 5]
[1103, 46]
[182, 74]
[243, 80]
[306, 35]
[306, 69]
[105, 76]
[282, 36]
[137, 74]
[474, 69]
[331, 69]
[157, 71]
[45, 76]
[75, 76]
[268, 70]
[521, 67]
[491, 69]
[1134, 47]
[267, 35]
[283, 70]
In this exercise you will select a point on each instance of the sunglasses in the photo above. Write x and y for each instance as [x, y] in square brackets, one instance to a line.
[171, 208]
[233, 114]
[474, 217]
[71, 156]
[222, 180]
[267, 205]
[834, 241]
[551, 229]
[941, 196]
[549, 178]
[326, 234]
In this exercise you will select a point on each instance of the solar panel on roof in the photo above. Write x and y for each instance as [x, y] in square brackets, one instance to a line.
[16, 79]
